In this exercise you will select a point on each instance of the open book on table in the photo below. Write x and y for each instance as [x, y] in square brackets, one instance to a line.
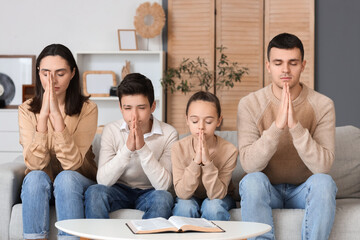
[174, 224]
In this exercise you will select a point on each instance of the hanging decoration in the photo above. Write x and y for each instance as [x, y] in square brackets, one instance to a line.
[149, 19]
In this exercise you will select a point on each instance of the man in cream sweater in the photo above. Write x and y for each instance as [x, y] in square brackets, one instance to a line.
[134, 165]
[286, 136]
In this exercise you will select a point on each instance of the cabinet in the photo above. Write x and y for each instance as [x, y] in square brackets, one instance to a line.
[148, 63]
[10, 147]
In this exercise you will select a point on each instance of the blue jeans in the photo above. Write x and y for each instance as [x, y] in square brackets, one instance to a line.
[215, 209]
[316, 196]
[38, 191]
[100, 200]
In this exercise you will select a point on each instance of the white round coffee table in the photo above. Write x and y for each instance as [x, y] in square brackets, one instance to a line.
[108, 229]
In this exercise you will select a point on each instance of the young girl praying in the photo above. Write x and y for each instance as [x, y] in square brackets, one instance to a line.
[203, 163]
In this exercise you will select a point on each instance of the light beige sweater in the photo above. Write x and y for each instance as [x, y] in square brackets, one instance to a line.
[148, 167]
[52, 151]
[212, 180]
[288, 155]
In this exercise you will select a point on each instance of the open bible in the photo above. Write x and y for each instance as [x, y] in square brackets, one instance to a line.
[174, 224]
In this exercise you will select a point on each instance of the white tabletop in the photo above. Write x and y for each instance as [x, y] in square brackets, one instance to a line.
[116, 229]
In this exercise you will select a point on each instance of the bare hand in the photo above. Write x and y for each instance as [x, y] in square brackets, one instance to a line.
[54, 105]
[282, 116]
[45, 107]
[198, 155]
[139, 136]
[205, 157]
[44, 111]
[130, 143]
[292, 120]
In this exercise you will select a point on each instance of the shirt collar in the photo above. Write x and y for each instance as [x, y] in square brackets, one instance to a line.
[155, 129]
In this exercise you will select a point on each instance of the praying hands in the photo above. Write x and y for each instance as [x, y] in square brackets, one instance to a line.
[286, 115]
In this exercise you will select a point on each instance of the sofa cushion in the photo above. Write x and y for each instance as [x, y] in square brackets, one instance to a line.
[288, 222]
[16, 226]
[346, 167]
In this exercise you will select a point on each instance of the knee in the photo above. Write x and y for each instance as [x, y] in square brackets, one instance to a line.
[254, 184]
[95, 193]
[66, 182]
[163, 198]
[323, 185]
[36, 181]
[215, 209]
[66, 178]
[186, 208]
[212, 205]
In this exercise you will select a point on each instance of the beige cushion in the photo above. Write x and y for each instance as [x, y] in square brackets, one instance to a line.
[346, 167]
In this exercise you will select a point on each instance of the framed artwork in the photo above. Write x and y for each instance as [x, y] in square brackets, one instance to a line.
[15, 71]
[127, 39]
[98, 83]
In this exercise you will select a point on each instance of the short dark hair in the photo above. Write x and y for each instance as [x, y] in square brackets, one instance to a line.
[136, 83]
[285, 41]
[74, 98]
[205, 96]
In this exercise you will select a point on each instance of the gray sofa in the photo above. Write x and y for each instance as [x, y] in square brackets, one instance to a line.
[345, 171]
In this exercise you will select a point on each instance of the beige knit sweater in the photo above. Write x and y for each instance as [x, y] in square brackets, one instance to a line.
[288, 155]
[212, 180]
[53, 152]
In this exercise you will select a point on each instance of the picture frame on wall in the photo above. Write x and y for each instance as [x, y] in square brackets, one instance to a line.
[98, 83]
[15, 71]
[127, 39]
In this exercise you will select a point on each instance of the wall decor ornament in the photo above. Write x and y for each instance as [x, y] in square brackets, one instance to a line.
[149, 19]
[125, 69]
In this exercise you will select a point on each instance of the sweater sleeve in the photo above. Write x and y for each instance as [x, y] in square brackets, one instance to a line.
[35, 144]
[70, 149]
[112, 161]
[158, 171]
[255, 150]
[186, 173]
[317, 151]
[216, 180]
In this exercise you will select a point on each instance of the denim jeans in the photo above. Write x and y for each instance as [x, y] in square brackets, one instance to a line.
[316, 195]
[100, 200]
[38, 191]
[215, 209]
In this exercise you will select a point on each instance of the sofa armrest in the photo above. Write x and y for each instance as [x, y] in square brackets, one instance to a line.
[11, 177]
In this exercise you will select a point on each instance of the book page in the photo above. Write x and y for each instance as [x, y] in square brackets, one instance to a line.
[151, 224]
[198, 222]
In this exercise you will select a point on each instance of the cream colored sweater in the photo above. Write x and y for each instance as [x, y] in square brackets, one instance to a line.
[209, 181]
[52, 151]
[288, 155]
[149, 167]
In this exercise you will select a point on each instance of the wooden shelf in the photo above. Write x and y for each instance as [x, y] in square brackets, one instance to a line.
[148, 63]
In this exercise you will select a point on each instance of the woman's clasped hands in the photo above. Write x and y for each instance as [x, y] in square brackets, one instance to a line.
[50, 108]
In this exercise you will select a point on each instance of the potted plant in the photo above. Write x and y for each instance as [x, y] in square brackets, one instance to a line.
[182, 78]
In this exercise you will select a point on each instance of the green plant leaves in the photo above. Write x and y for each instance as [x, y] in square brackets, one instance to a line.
[181, 78]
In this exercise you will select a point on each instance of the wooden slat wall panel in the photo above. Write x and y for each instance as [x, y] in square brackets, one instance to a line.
[245, 27]
[191, 29]
[239, 27]
[296, 17]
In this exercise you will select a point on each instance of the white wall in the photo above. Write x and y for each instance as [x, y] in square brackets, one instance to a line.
[27, 26]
